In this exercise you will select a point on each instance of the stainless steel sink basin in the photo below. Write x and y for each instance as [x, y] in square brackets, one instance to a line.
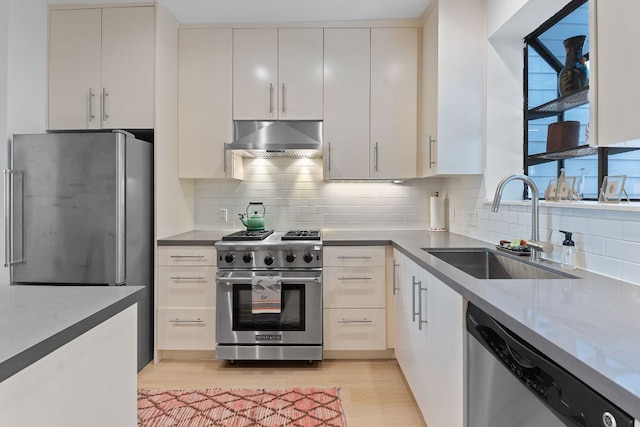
[485, 263]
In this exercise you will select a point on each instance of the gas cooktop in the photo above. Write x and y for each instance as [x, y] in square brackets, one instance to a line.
[301, 235]
[243, 235]
[256, 236]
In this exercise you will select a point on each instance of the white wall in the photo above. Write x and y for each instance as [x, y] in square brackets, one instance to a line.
[23, 55]
[508, 22]
[174, 203]
[296, 198]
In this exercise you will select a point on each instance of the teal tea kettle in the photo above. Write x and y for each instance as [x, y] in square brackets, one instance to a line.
[254, 221]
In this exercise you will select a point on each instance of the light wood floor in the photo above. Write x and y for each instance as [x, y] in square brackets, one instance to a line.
[373, 392]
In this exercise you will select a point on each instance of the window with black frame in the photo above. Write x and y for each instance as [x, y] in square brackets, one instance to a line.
[556, 88]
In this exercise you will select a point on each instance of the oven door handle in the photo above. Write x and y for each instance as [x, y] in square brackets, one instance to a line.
[231, 280]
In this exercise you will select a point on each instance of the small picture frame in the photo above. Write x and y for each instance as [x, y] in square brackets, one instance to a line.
[565, 188]
[552, 190]
[612, 189]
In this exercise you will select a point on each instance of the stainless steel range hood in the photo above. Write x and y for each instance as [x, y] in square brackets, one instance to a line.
[277, 138]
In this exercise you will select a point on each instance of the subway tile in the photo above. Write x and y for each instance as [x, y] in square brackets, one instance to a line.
[623, 250]
[604, 228]
[603, 265]
[631, 272]
[631, 231]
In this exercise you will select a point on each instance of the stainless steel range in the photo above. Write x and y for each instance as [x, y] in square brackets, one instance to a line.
[269, 296]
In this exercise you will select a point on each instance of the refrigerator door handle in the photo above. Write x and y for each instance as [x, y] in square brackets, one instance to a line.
[8, 216]
[121, 214]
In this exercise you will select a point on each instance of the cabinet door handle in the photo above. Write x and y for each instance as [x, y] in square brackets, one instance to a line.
[414, 284]
[420, 321]
[354, 257]
[329, 158]
[105, 94]
[186, 256]
[354, 278]
[178, 320]
[187, 277]
[224, 156]
[284, 99]
[343, 321]
[375, 158]
[431, 141]
[91, 96]
[395, 288]
[271, 99]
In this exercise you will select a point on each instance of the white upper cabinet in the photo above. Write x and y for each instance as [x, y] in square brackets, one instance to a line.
[101, 68]
[394, 102]
[300, 73]
[204, 104]
[452, 90]
[370, 123]
[347, 65]
[614, 93]
[277, 74]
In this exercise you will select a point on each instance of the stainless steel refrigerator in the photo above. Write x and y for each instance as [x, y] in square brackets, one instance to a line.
[79, 211]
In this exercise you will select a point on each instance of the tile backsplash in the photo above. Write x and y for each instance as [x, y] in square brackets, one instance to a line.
[607, 240]
[295, 197]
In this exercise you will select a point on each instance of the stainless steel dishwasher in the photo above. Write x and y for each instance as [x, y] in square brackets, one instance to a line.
[512, 384]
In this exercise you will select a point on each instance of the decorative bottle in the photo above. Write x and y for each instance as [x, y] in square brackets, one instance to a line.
[574, 74]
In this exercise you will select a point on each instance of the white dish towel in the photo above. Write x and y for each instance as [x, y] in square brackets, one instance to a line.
[266, 294]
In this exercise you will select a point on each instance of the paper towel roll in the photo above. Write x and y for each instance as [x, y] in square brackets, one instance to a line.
[436, 217]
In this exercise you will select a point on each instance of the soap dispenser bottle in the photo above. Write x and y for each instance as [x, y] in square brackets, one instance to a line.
[568, 252]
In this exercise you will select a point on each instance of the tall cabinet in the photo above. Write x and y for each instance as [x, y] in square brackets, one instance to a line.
[101, 68]
[370, 98]
[204, 104]
[452, 90]
[347, 80]
[277, 73]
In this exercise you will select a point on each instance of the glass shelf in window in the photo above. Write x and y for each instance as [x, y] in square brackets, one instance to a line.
[559, 105]
[569, 153]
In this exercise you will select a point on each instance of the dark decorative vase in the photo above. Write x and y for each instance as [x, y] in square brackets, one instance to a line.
[573, 76]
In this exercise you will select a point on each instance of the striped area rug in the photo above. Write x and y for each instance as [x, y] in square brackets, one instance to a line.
[299, 407]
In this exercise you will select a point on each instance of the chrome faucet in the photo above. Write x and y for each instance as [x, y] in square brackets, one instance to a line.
[535, 244]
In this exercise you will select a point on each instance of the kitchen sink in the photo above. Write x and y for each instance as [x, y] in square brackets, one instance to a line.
[485, 263]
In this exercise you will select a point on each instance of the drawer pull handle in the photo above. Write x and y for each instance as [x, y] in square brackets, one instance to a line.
[354, 257]
[198, 320]
[187, 256]
[187, 278]
[354, 278]
[355, 321]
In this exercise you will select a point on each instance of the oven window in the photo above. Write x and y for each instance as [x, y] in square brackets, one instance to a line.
[290, 318]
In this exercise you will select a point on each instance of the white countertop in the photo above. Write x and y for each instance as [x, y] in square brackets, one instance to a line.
[36, 320]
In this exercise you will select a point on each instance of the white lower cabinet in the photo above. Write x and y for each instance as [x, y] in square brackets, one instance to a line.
[186, 296]
[354, 329]
[354, 299]
[429, 342]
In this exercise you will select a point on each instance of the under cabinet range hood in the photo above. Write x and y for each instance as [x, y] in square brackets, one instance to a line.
[277, 138]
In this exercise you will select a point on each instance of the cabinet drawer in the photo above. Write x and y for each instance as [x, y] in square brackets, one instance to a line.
[186, 286]
[353, 255]
[187, 255]
[355, 329]
[186, 329]
[354, 287]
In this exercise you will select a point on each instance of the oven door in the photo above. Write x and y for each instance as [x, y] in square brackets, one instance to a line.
[297, 322]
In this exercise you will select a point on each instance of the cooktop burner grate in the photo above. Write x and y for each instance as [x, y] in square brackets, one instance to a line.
[248, 235]
[301, 235]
